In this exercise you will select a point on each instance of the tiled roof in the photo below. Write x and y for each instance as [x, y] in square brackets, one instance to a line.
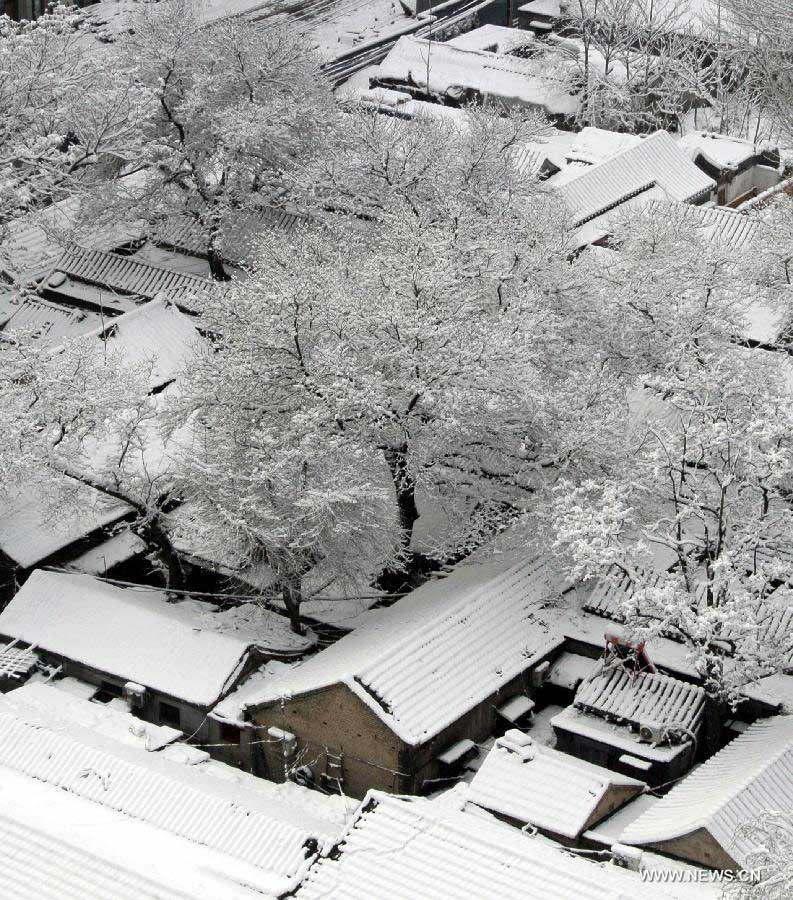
[44, 320]
[406, 849]
[125, 276]
[717, 224]
[656, 161]
[155, 332]
[185, 234]
[429, 659]
[32, 247]
[643, 698]
[751, 775]
[134, 634]
[271, 835]
[537, 785]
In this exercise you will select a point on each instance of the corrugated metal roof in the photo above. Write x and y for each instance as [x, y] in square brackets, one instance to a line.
[634, 700]
[543, 787]
[125, 276]
[29, 530]
[751, 775]
[406, 849]
[657, 161]
[421, 665]
[269, 834]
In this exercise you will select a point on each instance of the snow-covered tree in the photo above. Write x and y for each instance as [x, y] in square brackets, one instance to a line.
[231, 111]
[698, 482]
[770, 860]
[89, 413]
[66, 115]
[427, 329]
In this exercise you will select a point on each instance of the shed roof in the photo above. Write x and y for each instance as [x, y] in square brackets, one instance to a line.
[271, 835]
[616, 694]
[129, 632]
[404, 848]
[721, 150]
[656, 161]
[751, 775]
[433, 656]
[534, 784]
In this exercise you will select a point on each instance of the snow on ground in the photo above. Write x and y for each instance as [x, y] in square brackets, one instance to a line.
[350, 23]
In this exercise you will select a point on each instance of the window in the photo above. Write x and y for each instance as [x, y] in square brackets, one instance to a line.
[169, 715]
[229, 734]
[107, 692]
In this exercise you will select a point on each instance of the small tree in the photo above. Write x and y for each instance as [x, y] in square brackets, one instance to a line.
[231, 111]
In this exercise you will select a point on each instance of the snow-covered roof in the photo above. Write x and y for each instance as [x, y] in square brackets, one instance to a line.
[717, 224]
[656, 162]
[534, 784]
[643, 698]
[452, 71]
[31, 247]
[427, 660]
[119, 548]
[30, 533]
[157, 332]
[185, 234]
[406, 848]
[125, 276]
[720, 150]
[493, 38]
[751, 775]
[542, 8]
[42, 319]
[132, 633]
[120, 725]
[596, 145]
[272, 837]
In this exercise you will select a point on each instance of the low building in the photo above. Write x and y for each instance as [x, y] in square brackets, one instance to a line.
[52, 520]
[526, 783]
[184, 833]
[655, 169]
[643, 724]
[740, 168]
[539, 16]
[457, 76]
[410, 847]
[170, 661]
[401, 700]
[699, 819]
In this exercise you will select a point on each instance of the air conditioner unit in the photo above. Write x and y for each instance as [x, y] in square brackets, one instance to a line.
[652, 732]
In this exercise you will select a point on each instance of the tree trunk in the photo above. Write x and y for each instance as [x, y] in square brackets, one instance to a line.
[405, 488]
[157, 536]
[216, 269]
[292, 594]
